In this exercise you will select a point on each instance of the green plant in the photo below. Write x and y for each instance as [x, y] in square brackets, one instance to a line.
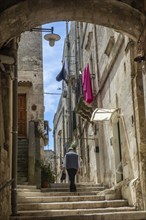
[47, 174]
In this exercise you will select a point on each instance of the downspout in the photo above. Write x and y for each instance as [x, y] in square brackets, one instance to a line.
[80, 62]
[69, 84]
[76, 61]
[14, 134]
[55, 158]
[80, 43]
[96, 54]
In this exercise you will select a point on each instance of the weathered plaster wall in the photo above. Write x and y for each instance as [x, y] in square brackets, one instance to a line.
[4, 177]
[30, 70]
[93, 156]
[111, 64]
[30, 83]
[5, 143]
[117, 93]
[59, 130]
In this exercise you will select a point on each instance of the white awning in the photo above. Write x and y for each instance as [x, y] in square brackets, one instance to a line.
[101, 114]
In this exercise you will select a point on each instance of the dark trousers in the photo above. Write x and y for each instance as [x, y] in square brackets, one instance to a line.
[71, 173]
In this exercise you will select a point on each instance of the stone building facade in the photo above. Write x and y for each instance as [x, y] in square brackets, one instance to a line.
[7, 72]
[60, 121]
[109, 149]
[31, 127]
[27, 50]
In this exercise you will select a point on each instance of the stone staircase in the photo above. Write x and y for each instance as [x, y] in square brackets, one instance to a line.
[57, 203]
[22, 163]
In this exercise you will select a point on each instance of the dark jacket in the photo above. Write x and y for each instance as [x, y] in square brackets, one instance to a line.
[71, 160]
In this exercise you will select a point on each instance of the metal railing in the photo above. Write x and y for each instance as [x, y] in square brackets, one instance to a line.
[8, 183]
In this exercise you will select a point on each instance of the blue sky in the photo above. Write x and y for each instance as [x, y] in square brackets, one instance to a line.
[52, 57]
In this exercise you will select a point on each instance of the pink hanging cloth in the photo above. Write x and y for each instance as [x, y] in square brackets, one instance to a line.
[87, 86]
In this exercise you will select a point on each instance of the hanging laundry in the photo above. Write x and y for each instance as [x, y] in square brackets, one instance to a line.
[87, 86]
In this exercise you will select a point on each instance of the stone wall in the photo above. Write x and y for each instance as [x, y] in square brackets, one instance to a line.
[60, 123]
[5, 195]
[116, 139]
[119, 140]
[117, 92]
[5, 143]
[30, 83]
[30, 71]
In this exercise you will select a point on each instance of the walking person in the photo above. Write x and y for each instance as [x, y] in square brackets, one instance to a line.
[72, 165]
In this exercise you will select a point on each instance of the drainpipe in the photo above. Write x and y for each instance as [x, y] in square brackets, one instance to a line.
[76, 59]
[14, 138]
[69, 84]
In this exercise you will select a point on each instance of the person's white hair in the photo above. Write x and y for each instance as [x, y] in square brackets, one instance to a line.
[70, 148]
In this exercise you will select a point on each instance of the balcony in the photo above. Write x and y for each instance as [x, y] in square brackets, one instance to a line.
[82, 108]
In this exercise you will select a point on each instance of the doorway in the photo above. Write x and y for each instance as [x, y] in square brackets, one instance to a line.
[22, 124]
[118, 151]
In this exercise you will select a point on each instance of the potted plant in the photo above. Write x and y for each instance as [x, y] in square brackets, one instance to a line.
[47, 175]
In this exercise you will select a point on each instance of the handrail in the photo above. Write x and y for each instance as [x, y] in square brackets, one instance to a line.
[8, 183]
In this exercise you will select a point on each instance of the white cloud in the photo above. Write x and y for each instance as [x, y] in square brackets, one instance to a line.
[50, 103]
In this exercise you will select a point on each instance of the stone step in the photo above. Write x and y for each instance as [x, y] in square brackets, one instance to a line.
[21, 140]
[22, 162]
[26, 186]
[22, 166]
[45, 190]
[23, 147]
[72, 205]
[48, 199]
[22, 174]
[64, 185]
[132, 215]
[22, 159]
[23, 144]
[22, 151]
[38, 193]
[79, 189]
[68, 212]
[63, 205]
[31, 190]
[22, 179]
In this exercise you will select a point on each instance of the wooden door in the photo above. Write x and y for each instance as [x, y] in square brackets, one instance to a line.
[22, 115]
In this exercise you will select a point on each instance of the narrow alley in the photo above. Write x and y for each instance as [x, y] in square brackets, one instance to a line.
[98, 125]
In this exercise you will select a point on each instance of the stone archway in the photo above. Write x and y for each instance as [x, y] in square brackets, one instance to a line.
[23, 15]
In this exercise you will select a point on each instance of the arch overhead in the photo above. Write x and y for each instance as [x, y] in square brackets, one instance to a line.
[26, 14]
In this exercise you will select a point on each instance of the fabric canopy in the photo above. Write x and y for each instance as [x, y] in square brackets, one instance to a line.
[101, 114]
